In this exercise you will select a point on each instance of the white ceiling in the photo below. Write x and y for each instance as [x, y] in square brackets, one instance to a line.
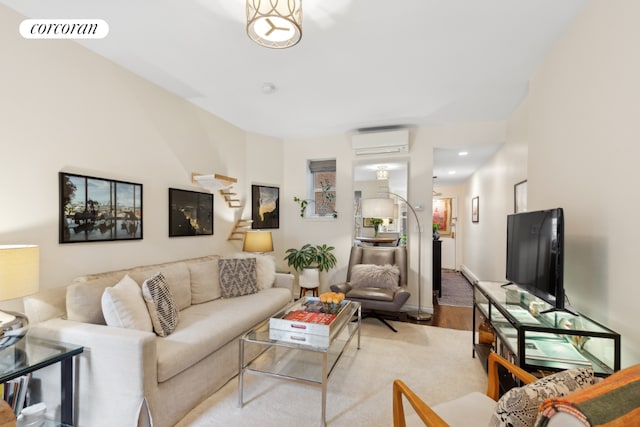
[360, 63]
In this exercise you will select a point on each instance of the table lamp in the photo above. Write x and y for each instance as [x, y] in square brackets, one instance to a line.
[19, 276]
[258, 241]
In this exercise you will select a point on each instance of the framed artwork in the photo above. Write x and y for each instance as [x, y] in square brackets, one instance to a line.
[475, 209]
[190, 213]
[520, 197]
[265, 207]
[442, 215]
[98, 209]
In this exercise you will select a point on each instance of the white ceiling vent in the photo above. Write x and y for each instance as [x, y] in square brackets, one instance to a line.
[390, 142]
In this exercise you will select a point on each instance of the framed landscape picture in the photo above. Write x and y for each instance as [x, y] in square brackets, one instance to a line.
[475, 209]
[265, 207]
[190, 213]
[98, 209]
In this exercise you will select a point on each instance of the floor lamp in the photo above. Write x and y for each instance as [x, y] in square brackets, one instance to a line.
[377, 208]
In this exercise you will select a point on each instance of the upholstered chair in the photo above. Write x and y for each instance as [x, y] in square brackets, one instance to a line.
[371, 281]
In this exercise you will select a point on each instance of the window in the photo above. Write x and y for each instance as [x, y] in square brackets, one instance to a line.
[323, 178]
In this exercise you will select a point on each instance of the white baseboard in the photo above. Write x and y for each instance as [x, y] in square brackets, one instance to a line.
[466, 272]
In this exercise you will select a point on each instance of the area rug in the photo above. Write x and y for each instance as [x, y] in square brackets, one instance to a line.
[435, 362]
[456, 290]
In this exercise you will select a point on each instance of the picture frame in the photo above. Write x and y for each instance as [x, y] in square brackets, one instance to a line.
[520, 197]
[441, 215]
[475, 209]
[265, 207]
[190, 213]
[94, 209]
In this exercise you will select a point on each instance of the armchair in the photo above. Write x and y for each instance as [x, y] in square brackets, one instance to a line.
[374, 297]
[474, 409]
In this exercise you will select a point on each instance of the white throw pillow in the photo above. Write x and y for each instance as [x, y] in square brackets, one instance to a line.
[123, 306]
[162, 307]
[265, 269]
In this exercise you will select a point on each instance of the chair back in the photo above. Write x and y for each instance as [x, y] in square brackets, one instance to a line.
[380, 256]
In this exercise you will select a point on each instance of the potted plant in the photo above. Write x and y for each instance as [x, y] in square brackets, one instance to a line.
[310, 261]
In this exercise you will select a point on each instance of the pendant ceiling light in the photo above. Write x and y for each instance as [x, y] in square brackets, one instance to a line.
[274, 23]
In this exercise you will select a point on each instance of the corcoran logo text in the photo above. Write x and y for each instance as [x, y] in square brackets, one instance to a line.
[64, 29]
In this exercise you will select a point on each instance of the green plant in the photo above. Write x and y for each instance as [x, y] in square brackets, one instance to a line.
[320, 256]
[303, 205]
[376, 222]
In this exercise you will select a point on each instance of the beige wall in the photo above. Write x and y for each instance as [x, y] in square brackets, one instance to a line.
[575, 140]
[583, 152]
[64, 108]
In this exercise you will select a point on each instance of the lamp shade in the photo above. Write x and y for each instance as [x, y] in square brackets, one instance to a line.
[274, 23]
[19, 271]
[377, 208]
[258, 241]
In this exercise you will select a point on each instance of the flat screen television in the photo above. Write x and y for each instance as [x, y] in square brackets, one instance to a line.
[535, 254]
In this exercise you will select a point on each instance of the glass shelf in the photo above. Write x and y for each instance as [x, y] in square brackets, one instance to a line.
[538, 340]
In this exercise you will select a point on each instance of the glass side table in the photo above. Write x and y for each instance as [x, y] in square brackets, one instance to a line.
[31, 354]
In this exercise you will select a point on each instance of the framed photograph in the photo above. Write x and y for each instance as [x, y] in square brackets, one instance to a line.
[520, 197]
[442, 215]
[190, 213]
[98, 209]
[265, 207]
[475, 209]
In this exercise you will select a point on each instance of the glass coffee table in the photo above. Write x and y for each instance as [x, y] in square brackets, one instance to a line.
[294, 357]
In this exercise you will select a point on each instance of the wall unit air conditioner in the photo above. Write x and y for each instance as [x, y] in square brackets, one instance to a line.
[390, 142]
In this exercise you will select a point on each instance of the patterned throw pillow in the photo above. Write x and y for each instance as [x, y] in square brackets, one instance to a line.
[519, 406]
[162, 307]
[237, 277]
[375, 276]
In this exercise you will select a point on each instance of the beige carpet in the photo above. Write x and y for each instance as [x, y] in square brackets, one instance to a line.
[435, 362]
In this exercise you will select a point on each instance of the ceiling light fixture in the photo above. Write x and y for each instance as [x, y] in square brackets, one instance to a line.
[463, 153]
[274, 23]
[382, 174]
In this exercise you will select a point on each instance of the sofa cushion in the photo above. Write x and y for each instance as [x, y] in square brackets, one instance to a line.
[206, 327]
[375, 276]
[477, 409]
[124, 307]
[205, 284]
[162, 308]
[84, 296]
[265, 268]
[176, 275]
[519, 406]
[237, 277]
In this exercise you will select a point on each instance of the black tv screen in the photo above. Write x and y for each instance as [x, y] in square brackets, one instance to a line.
[535, 244]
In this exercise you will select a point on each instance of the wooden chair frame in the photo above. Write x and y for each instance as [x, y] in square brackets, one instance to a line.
[431, 418]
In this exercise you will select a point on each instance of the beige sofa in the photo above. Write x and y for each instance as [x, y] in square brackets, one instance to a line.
[128, 377]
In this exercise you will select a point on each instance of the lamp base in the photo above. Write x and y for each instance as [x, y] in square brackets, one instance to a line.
[419, 315]
[13, 327]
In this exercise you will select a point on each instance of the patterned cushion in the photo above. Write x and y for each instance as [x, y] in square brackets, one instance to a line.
[374, 276]
[519, 406]
[265, 268]
[162, 307]
[237, 277]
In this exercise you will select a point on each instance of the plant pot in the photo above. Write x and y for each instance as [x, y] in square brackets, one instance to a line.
[310, 277]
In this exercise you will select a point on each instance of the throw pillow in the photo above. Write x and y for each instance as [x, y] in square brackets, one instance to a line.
[265, 268]
[123, 306]
[237, 277]
[161, 305]
[519, 406]
[375, 276]
[205, 285]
